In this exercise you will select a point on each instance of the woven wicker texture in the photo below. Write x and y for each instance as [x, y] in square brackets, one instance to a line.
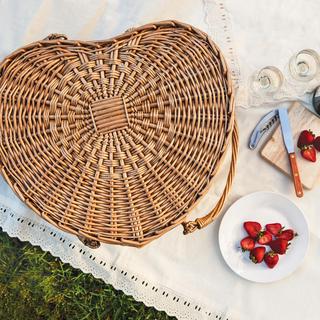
[116, 140]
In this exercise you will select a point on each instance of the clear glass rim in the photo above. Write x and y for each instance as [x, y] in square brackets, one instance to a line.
[294, 73]
[260, 73]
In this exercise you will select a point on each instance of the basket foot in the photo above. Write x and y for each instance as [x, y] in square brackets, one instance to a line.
[93, 244]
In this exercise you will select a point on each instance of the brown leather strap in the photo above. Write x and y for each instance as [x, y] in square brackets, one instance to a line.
[200, 223]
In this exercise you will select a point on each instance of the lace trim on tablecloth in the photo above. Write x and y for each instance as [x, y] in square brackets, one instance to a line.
[219, 27]
[64, 246]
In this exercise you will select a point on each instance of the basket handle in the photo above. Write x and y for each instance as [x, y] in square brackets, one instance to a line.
[56, 36]
[202, 222]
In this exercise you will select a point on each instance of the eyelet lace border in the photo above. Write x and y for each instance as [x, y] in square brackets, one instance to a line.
[64, 246]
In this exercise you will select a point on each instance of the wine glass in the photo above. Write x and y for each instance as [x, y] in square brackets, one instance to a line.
[267, 81]
[305, 65]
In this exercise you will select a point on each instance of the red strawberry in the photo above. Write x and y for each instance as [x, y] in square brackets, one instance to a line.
[316, 143]
[305, 139]
[264, 237]
[279, 245]
[288, 235]
[253, 228]
[271, 259]
[257, 254]
[309, 153]
[247, 244]
[274, 228]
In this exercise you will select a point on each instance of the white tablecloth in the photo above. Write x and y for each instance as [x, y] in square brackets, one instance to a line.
[183, 275]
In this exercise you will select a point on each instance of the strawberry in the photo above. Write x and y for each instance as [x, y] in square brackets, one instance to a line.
[264, 237]
[306, 138]
[288, 235]
[274, 228]
[316, 143]
[271, 259]
[247, 244]
[309, 153]
[257, 254]
[253, 228]
[279, 245]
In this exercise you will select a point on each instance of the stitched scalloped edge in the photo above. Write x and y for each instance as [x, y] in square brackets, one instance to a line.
[58, 243]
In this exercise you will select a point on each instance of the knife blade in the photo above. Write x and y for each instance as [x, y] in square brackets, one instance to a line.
[288, 141]
[286, 129]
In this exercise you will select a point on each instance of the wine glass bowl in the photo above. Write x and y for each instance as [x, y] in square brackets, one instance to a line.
[304, 65]
[267, 80]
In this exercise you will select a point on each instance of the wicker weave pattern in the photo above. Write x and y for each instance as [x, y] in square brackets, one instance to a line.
[116, 140]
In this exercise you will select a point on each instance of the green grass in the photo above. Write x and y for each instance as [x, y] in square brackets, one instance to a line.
[35, 285]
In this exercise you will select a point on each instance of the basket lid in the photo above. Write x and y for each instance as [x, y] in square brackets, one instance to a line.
[115, 140]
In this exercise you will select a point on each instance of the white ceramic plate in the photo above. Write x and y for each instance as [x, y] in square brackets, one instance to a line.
[264, 207]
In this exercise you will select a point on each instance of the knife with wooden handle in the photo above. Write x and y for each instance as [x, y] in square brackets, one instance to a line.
[288, 141]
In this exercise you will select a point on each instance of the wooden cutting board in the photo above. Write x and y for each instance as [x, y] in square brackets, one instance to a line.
[274, 150]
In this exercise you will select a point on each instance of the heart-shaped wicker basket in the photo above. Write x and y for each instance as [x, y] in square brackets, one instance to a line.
[116, 140]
